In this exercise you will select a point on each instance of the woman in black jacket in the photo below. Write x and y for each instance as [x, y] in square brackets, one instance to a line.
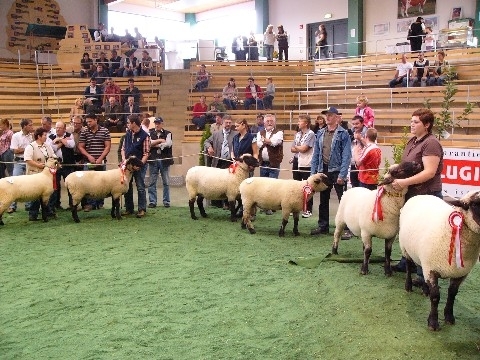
[416, 33]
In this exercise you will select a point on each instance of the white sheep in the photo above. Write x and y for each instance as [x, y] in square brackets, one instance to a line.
[217, 184]
[100, 184]
[276, 194]
[369, 213]
[444, 241]
[29, 188]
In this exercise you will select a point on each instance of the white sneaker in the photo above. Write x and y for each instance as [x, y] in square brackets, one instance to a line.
[306, 214]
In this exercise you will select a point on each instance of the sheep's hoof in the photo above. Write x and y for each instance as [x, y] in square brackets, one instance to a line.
[1, 223]
[433, 323]
[334, 251]
[194, 217]
[243, 226]
[296, 233]
[77, 220]
[252, 230]
[281, 233]
[204, 215]
[233, 219]
[364, 270]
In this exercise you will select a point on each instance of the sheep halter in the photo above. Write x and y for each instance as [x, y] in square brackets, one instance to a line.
[53, 171]
[455, 220]
[377, 213]
[307, 190]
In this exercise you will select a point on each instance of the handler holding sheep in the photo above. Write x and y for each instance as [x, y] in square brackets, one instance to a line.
[136, 143]
[423, 148]
[331, 155]
[36, 155]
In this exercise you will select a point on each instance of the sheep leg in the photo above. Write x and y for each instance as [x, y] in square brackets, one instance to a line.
[231, 205]
[281, 232]
[409, 265]
[295, 223]
[336, 237]
[388, 253]
[44, 207]
[75, 213]
[452, 292]
[367, 251]
[116, 209]
[246, 219]
[1, 220]
[200, 206]
[434, 300]
[191, 205]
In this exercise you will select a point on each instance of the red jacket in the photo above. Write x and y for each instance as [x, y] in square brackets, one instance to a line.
[199, 109]
[248, 92]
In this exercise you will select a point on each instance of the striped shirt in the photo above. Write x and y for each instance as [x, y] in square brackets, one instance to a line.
[94, 141]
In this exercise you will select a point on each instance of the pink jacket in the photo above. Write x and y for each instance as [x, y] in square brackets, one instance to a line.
[368, 116]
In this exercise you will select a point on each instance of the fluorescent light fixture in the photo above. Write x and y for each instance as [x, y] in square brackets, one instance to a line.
[328, 16]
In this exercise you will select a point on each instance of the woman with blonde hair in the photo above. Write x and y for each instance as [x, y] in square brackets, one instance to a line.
[6, 154]
[77, 109]
[269, 42]
[365, 111]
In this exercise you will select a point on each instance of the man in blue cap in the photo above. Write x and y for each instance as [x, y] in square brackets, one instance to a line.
[331, 155]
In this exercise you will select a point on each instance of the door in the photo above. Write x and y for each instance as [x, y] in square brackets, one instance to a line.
[336, 37]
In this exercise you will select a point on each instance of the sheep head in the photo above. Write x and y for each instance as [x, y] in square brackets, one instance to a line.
[248, 160]
[470, 203]
[401, 171]
[318, 182]
[52, 163]
[133, 163]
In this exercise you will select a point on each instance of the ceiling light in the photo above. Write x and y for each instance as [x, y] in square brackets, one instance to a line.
[328, 16]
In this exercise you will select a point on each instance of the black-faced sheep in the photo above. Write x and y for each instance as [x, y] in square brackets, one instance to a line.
[217, 184]
[276, 194]
[100, 184]
[444, 241]
[370, 213]
[29, 188]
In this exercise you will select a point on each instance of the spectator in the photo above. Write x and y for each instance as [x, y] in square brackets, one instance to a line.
[161, 46]
[94, 92]
[438, 73]
[357, 140]
[218, 124]
[114, 115]
[86, 66]
[101, 33]
[202, 78]
[100, 75]
[77, 109]
[131, 90]
[160, 160]
[252, 47]
[104, 61]
[419, 74]
[6, 154]
[259, 125]
[111, 89]
[199, 113]
[367, 160]
[239, 47]
[115, 65]
[128, 39]
[402, 73]
[302, 148]
[269, 94]
[416, 31]
[136, 143]
[253, 95]
[269, 42]
[319, 124]
[230, 95]
[365, 111]
[138, 43]
[218, 103]
[130, 108]
[429, 39]
[282, 39]
[131, 64]
[321, 42]
[333, 159]
[146, 65]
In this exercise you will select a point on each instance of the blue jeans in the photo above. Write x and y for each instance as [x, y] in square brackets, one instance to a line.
[267, 171]
[248, 102]
[230, 104]
[6, 163]
[139, 177]
[268, 51]
[95, 203]
[19, 168]
[155, 167]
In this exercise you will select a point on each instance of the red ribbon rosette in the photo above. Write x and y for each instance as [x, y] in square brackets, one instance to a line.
[455, 220]
[377, 214]
[307, 190]
[54, 177]
[232, 168]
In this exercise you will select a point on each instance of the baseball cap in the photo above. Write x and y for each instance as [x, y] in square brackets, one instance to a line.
[158, 120]
[331, 110]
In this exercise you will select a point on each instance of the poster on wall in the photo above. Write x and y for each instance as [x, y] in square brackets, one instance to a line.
[461, 171]
[415, 8]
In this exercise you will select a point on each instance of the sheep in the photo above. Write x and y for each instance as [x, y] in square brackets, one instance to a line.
[29, 188]
[217, 184]
[100, 184]
[358, 208]
[444, 241]
[276, 194]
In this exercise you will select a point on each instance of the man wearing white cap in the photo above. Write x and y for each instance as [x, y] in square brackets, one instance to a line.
[331, 155]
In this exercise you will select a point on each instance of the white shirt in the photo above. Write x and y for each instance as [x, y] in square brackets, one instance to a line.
[20, 141]
[276, 140]
[403, 69]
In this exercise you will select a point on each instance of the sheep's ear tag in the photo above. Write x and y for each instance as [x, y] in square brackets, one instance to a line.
[455, 220]
[10, 180]
[249, 180]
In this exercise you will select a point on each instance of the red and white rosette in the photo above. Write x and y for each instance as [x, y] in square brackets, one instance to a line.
[122, 167]
[53, 171]
[307, 190]
[232, 168]
[377, 213]
[455, 220]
